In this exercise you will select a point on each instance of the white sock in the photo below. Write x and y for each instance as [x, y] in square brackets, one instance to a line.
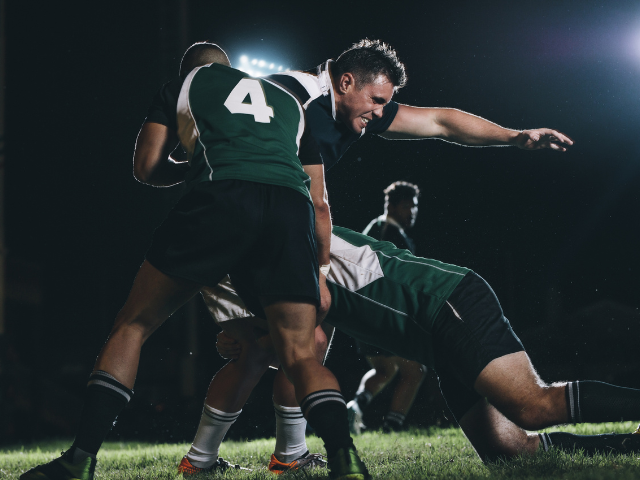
[290, 433]
[214, 425]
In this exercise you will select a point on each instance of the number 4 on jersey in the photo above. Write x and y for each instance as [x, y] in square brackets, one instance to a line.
[258, 103]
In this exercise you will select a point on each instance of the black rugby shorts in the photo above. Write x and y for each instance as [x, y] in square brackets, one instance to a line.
[264, 234]
[464, 346]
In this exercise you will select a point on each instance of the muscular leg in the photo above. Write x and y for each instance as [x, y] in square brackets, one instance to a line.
[493, 436]
[411, 375]
[383, 371]
[153, 298]
[512, 385]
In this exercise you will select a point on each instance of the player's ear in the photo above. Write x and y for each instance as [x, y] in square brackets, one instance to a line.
[347, 80]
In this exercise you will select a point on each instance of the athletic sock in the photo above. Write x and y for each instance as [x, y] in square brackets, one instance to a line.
[363, 399]
[213, 426]
[591, 444]
[105, 398]
[290, 433]
[597, 402]
[326, 412]
[395, 420]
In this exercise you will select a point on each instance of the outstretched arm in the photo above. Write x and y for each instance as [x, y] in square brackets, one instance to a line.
[151, 161]
[464, 128]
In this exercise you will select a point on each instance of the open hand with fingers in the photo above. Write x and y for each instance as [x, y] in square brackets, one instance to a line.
[542, 138]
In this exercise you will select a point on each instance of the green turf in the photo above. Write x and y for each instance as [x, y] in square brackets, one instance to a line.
[418, 454]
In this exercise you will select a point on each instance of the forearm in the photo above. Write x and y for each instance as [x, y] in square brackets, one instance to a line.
[167, 173]
[323, 232]
[467, 129]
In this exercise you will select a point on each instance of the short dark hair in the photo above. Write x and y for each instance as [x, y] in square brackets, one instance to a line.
[367, 60]
[202, 53]
[398, 191]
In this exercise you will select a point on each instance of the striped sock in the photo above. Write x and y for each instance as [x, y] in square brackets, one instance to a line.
[326, 412]
[105, 398]
[290, 433]
[214, 425]
[597, 402]
[397, 419]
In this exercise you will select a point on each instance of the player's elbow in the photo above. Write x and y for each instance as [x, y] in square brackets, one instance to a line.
[141, 170]
[322, 208]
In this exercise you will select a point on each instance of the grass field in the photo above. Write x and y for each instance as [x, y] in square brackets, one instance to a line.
[418, 454]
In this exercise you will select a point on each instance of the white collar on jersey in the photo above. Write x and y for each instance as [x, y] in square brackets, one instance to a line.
[326, 84]
[386, 218]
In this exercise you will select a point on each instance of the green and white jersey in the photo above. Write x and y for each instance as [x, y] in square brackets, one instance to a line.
[233, 126]
[385, 296]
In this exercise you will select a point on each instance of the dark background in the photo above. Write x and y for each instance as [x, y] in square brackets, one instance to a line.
[556, 235]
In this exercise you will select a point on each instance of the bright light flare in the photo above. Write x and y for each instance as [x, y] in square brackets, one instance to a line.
[244, 59]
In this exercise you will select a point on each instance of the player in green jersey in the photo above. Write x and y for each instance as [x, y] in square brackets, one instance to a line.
[246, 175]
[448, 318]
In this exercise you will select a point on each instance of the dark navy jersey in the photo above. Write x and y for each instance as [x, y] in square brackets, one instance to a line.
[314, 88]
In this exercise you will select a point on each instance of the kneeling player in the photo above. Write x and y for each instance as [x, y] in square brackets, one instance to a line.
[448, 318]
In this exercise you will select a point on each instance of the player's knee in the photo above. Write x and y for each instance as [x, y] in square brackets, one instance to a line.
[413, 372]
[322, 343]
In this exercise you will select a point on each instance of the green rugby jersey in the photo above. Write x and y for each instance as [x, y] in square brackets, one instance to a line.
[233, 126]
[385, 296]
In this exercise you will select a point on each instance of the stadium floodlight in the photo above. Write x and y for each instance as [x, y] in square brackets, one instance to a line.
[261, 63]
[254, 61]
[244, 59]
[271, 66]
[280, 68]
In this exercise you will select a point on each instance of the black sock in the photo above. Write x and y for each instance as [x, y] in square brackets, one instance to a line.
[104, 399]
[394, 420]
[591, 444]
[363, 399]
[326, 412]
[598, 402]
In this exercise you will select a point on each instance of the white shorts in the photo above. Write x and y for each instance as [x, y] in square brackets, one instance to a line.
[223, 302]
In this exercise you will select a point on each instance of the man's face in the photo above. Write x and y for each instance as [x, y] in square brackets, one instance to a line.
[356, 107]
[404, 212]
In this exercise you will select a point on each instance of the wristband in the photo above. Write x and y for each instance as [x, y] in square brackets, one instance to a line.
[324, 269]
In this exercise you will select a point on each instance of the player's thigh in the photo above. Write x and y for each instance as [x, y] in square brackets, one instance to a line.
[384, 365]
[154, 297]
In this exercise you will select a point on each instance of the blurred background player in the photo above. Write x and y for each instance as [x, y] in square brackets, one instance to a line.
[400, 212]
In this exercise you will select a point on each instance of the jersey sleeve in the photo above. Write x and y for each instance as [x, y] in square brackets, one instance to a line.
[164, 105]
[379, 125]
[309, 152]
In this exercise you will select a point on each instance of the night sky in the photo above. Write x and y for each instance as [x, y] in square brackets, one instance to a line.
[556, 235]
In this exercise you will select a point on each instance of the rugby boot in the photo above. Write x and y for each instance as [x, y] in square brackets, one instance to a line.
[346, 465]
[62, 469]
[307, 460]
[637, 432]
[354, 415]
[221, 465]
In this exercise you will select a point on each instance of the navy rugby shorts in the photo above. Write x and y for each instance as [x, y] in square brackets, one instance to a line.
[469, 332]
[262, 234]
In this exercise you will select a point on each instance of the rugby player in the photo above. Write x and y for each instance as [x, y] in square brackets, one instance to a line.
[344, 99]
[246, 174]
[400, 212]
[448, 318]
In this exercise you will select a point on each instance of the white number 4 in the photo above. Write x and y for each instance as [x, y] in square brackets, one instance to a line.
[258, 103]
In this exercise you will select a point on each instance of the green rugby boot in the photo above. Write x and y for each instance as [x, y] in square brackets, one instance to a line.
[346, 465]
[62, 469]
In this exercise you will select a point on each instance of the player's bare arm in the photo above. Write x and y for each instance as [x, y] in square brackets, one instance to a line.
[464, 128]
[320, 201]
[152, 163]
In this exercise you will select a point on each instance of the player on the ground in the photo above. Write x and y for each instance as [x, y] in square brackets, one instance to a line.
[400, 212]
[448, 318]
[343, 99]
[247, 212]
